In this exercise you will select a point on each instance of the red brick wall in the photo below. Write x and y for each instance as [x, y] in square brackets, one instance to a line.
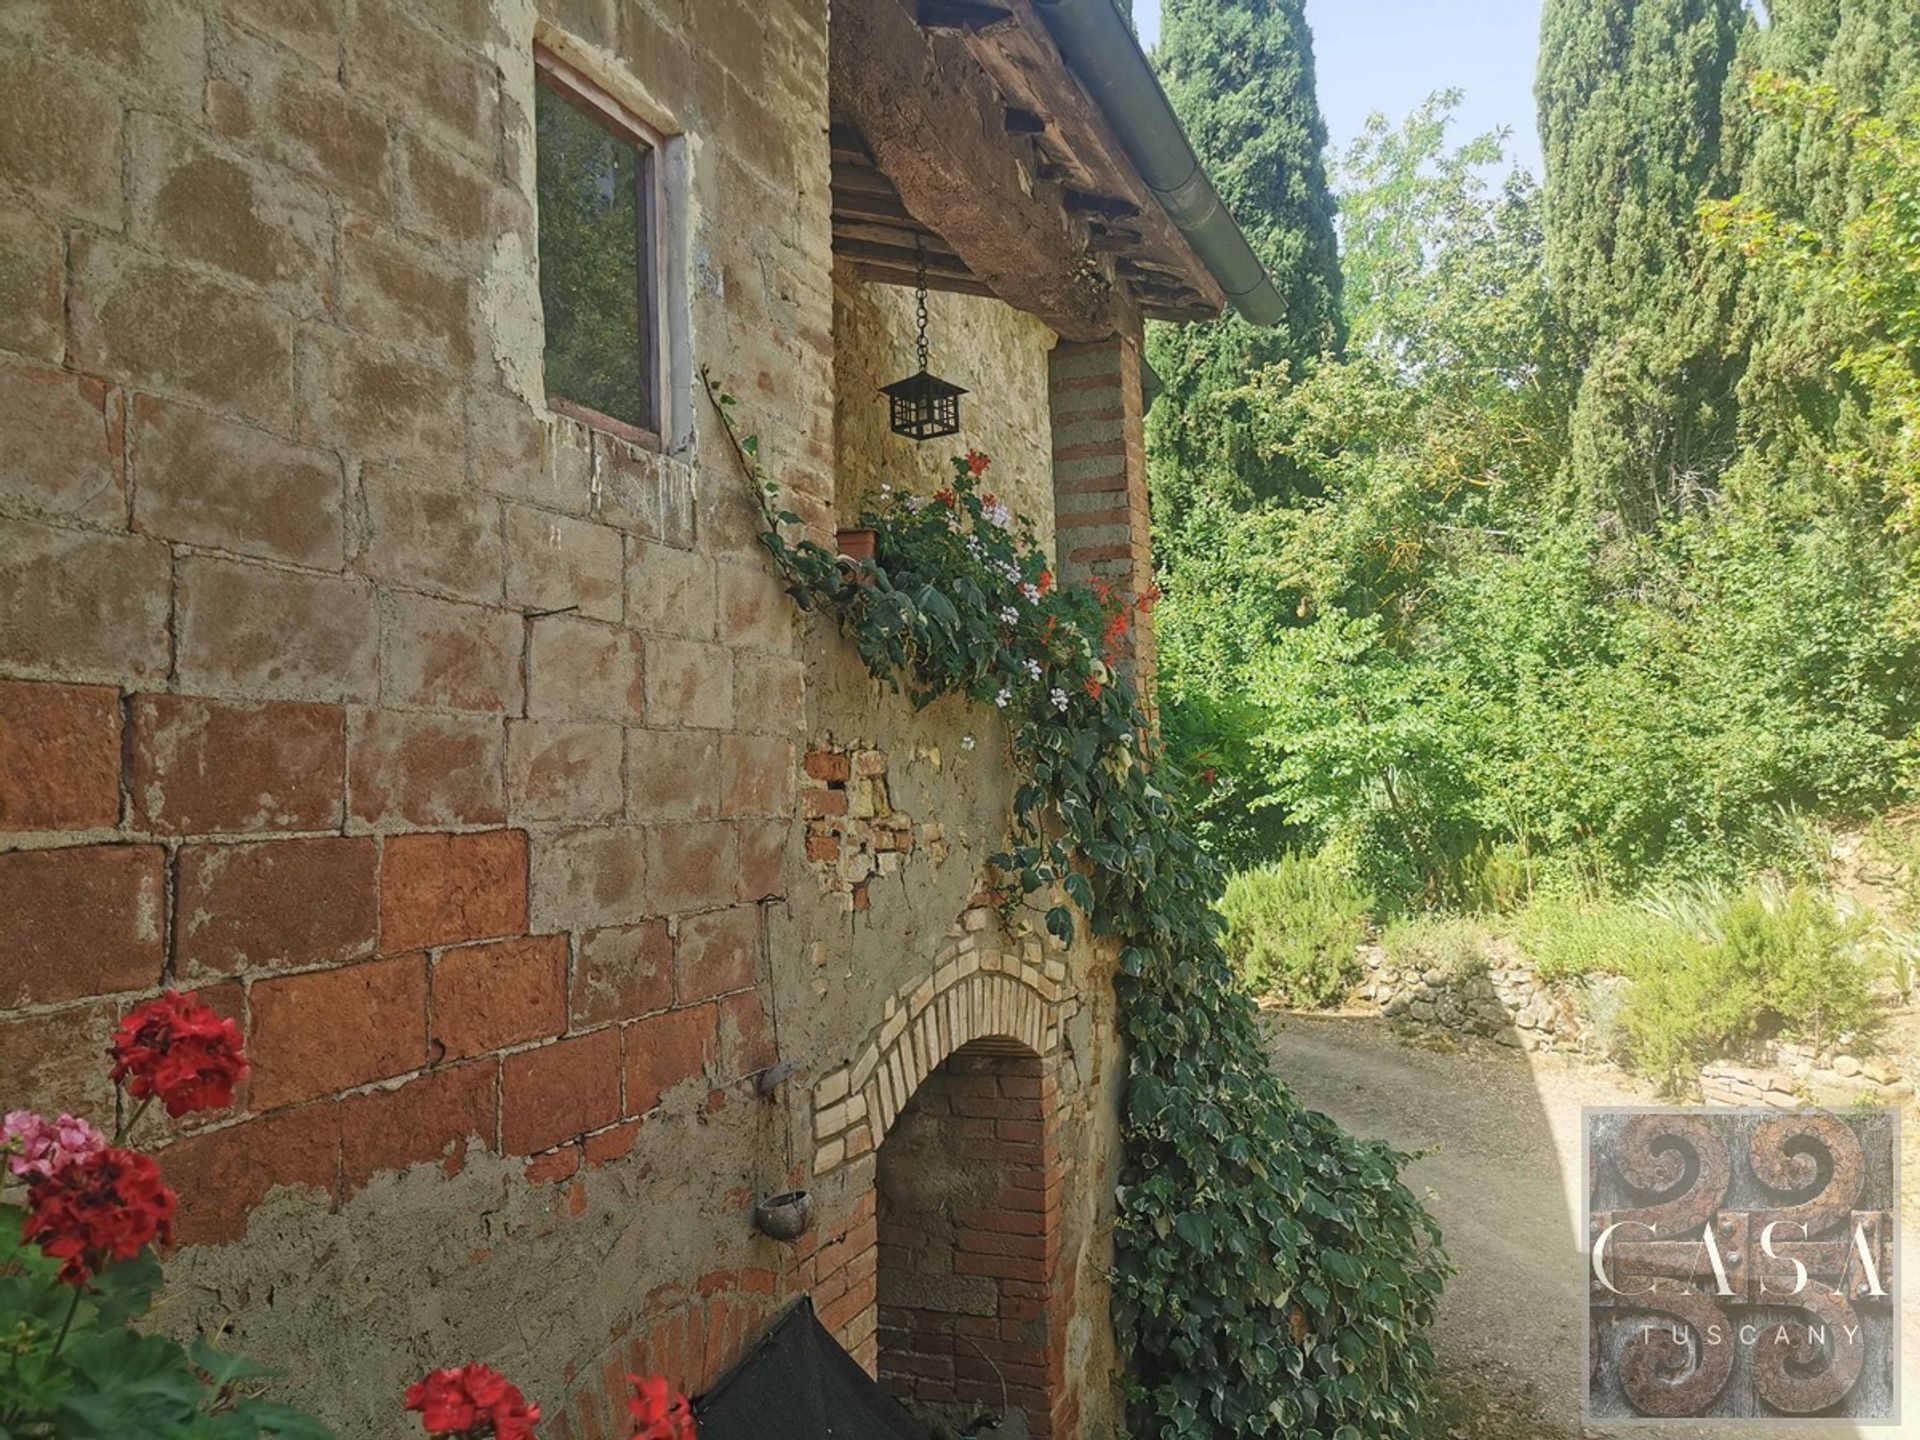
[972, 1302]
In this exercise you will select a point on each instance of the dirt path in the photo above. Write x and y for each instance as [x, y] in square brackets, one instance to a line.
[1503, 1179]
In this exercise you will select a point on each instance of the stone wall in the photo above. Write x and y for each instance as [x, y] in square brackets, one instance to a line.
[451, 747]
[997, 353]
[1506, 1003]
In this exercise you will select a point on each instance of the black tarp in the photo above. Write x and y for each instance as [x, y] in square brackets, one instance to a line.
[798, 1384]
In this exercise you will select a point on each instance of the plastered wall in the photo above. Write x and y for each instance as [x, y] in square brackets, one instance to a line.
[458, 752]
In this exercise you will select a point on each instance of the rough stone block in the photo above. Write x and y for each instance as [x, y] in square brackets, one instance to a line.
[671, 591]
[447, 656]
[689, 685]
[382, 404]
[83, 606]
[589, 879]
[486, 997]
[564, 770]
[664, 1050]
[258, 631]
[428, 537]
[642, 492]
[164, 327]
[755, 610]
[194, 202]
[80, 922]
[445, 889]
[60, 137]
[59, 757]
[693, 866]
[394, 292]
[778, 684]
[764, 845]
[673, 775]
[213, 482]
[756, 776]
[446, 89]
[446, 196]
[330, 1030]
[62, 437]
[414, 768]
[583, 670]
[555, 562]
[275, 903]
[156, 49]
[33, 282]
[208, 767]
[431, 1119]
[623, 972]
[509, 453]
[320, 128]
[559, 1091]
[746, 1035]
[310, 28]
[716, 953]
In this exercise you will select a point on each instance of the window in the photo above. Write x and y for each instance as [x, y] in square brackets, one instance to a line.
[599, 196]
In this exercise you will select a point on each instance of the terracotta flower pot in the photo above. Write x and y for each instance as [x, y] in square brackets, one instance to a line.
[857, 544]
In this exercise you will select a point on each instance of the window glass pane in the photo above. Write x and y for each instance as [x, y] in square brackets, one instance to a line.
[590, 261]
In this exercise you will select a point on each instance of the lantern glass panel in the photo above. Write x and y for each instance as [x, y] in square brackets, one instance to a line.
[924, 406]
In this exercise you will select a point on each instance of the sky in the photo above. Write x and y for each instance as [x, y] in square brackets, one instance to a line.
[1389, 55]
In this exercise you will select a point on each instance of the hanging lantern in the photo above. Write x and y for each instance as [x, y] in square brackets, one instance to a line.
[924, 406]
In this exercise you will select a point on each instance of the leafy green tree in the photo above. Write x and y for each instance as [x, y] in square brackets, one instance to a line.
[1240, 75]
[1630, 107]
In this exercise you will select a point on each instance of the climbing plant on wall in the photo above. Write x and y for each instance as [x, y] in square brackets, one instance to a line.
[1273, 1276]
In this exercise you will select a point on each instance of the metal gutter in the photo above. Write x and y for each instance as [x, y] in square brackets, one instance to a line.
[1103, 52]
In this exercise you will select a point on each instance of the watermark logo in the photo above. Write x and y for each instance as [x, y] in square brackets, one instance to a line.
[1742, 1265]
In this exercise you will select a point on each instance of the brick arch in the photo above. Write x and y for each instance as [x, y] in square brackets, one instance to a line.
[973, 995]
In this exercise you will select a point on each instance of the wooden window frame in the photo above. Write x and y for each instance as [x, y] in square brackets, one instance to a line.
[579, 90]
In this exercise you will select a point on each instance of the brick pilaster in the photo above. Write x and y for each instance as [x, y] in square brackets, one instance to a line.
[1100, 478]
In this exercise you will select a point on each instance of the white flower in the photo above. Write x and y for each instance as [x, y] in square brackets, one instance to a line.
[1032, 667]
[1032, 592]
[967, 742]
[998, 514]
[1009, 615]
[973, 546]
[1059, 698]
[916, 503]
[1003, 697]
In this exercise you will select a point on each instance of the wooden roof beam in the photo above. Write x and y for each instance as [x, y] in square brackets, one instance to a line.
[933, 123]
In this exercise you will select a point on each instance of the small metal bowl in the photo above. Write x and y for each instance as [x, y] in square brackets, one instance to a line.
[784, 1217]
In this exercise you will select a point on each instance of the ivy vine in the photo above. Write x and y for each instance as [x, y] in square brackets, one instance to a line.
[1273, 1276]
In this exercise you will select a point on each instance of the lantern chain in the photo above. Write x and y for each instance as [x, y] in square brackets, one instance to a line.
[920, 299]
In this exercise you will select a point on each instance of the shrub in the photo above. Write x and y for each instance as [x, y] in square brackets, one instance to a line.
[1293, 926]
[1768, 962]
[1456, 944]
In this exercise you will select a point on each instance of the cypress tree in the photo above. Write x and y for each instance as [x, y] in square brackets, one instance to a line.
[1631, 99]
[1866, 52]
[1240, 76]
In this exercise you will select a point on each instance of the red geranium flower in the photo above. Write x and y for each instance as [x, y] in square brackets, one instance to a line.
[474, 1401]
[1101, 588]
[1148, 599]
[97, 1209]
[1046, 581]
[659, 1411]
[978, 463]
[945, 497]
[180, 1050]
[1093, 686]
